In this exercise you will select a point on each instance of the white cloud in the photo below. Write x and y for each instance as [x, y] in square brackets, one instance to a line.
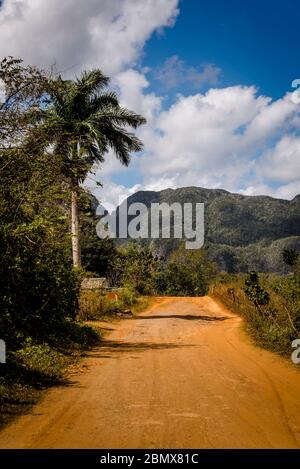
[271, 118]
[288, 191]
[132, 85]
[175, 72]
[284, 191]
[111, 195]
[109, 34]
[282, 163]
[230, 137]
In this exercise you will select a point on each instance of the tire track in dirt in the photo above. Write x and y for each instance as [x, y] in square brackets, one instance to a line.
[182, 374]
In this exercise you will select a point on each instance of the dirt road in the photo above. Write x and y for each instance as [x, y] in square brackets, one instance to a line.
[181, 375]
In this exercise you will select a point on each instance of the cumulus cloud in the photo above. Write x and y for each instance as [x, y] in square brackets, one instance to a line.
[76, 34]
[175, 72]
[132, 86]
[288, 191]
[230, 137]
[112, 194]
[282, 163]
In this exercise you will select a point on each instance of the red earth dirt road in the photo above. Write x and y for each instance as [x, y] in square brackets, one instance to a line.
[183, 374]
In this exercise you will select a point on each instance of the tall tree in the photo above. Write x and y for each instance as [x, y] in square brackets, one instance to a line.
[84, 121]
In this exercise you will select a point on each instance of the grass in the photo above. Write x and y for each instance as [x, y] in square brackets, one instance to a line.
[35, 367]
[143, 302]
[100, 305]
[276, 325]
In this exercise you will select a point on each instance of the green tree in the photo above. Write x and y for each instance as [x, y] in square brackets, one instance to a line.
[187, 273]
[255, 292]
[135, 267]
[81, 123]
[97, 253]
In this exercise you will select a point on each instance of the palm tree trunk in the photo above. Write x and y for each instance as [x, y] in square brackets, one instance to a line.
[75, 218]
[75, 229]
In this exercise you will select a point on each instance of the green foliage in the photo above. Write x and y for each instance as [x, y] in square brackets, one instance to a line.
[25, 91]
[38, 365]
[128, 296]
[256, 294]
[288, 288]
[187, 273]
[38, 287]
[273, 324]
[83, 121]
[135, 267]
[242, 233]
[97, 254]
[95, 304]
[42, 359]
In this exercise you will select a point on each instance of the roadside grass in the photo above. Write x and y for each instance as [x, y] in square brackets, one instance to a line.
[276, 325]
[35, 367]
[106, 306]
[143, 302]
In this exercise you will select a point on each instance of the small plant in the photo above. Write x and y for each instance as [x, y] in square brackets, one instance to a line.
[255, 293]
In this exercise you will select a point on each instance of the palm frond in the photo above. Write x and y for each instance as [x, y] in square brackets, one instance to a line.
[119, 116]
[91, 81]
[83, 112]
[122, 143]
[103, 100]
[85, 88]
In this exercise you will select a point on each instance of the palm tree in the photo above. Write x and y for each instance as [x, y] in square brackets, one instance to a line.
[81, 123]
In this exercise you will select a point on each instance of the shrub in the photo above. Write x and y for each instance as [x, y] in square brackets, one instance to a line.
[135, 268]
[95, 304]
[274, 324]
[187, 273]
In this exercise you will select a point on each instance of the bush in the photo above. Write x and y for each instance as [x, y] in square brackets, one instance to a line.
[42, 359]
[274, 324]
[187, 273]
[135, 268]
[38, 286]
[95, 304]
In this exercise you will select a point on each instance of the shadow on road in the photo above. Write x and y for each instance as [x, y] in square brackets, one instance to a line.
[185, 316]
[109, 348]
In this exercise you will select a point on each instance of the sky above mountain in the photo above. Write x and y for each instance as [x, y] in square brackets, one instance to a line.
[213, 78]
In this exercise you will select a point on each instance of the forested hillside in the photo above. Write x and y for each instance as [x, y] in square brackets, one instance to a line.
[242, 233]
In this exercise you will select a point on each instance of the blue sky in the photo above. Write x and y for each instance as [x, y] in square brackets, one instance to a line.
[213, 79]
[253, 42]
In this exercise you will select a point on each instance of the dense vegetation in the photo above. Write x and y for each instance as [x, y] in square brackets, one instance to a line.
[39, 172]
[270, 305]
[46, 148]
[185, 273]
[137, 274]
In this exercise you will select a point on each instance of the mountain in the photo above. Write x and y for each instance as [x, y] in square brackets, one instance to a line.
[241, 232]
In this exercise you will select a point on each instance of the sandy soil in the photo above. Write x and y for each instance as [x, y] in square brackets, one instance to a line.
[181, 375]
